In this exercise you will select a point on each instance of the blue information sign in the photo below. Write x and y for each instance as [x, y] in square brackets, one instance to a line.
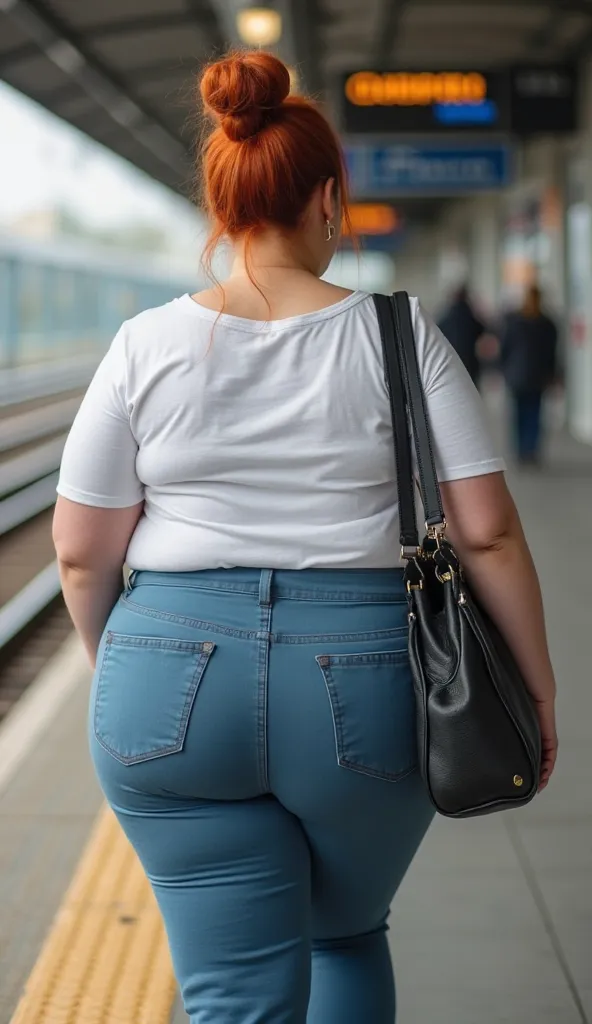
[382, 171]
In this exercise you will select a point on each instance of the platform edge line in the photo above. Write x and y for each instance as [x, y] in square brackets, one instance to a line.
[39, 705]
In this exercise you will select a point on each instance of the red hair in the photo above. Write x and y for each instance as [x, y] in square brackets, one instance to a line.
[268, 151]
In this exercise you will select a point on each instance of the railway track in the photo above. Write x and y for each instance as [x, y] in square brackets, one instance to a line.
[37, 407]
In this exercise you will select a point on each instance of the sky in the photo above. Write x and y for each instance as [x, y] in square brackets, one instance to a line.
[45, 162]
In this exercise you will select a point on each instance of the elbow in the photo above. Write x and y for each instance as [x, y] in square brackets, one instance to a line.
[491, 543]
[73, 556]
[482, 516]
[69, 566]
[76, 568]
[70, 562]
[68, 553]
[491, 537]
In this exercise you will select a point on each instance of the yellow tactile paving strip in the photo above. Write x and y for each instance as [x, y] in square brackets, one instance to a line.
[105, 960]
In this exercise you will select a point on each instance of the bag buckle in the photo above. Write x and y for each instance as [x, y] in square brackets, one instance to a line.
[409, 552]
[414, 576]
[437, 531]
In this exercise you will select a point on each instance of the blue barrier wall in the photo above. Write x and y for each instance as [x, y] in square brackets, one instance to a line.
[61, 299]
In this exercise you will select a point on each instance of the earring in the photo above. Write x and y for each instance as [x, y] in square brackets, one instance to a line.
[330, 230]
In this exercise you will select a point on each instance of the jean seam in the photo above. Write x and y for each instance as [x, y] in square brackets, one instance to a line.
[231, 588]
[353, 766]
[296, 594]
[335, 713]
[185, 620]
[341, 596]
[170, 643]
[172, 748]
[280, 638]
[328, 638]
[263, 645]
[378, 658]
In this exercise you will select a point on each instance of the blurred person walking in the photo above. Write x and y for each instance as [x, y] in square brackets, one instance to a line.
[528, 359]
[463, 328]
[252, 716]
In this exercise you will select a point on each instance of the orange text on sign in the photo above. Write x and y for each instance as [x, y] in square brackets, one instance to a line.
[414, 88]
[372, 219]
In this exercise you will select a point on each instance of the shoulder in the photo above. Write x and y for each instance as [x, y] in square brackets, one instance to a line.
[161, 330]
[436, 358]
[427, 332]
[158, 318]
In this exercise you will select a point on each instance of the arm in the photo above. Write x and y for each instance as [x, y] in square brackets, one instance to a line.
[484, 524]
[485, 528]
[101, 498]
[91, 545]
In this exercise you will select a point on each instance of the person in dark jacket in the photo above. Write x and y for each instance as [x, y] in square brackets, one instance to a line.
[463, 329]
[528, 356]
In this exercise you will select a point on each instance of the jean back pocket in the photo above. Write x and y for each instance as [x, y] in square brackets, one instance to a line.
[373, 707]
[144, 694]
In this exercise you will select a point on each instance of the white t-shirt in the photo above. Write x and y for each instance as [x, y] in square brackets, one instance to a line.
[262, 444]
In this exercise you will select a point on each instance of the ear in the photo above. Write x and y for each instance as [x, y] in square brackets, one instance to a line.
[329, 197]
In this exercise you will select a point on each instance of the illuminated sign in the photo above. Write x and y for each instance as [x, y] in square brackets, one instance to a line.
[420, 101]
[525, 100]
[414, 88]
[372, 219]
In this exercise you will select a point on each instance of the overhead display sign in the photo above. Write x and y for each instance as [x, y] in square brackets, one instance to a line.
[373, 219]
[385, 171]
[524, 100]
[423, 101]
[377, 226]
[544, 99]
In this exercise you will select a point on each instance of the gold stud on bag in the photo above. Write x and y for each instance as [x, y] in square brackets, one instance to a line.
[478, 734]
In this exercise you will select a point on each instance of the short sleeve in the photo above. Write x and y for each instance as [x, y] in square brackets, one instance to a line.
[463, 446]
[99, 461]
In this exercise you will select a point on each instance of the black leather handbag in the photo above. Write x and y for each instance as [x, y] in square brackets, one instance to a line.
[478, 735]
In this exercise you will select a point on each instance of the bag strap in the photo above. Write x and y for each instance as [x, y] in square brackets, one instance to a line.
[402, 441]
[416, 403]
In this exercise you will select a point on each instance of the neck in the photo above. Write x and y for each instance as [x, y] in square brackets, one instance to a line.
[268, 254]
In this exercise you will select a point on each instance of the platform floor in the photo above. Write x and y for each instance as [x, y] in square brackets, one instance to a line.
[493, 924]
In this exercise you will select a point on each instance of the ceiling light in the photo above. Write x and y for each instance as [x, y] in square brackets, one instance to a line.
[259, 26]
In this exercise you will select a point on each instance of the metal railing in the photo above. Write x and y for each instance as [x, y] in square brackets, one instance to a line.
[29, 426]
[27, 503]
[28, 480]
[42, 380]
[26, 605]
[33, 465]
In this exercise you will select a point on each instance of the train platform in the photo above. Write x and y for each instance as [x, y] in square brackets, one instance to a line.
[493, 924]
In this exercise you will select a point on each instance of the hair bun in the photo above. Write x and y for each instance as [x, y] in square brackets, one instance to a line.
[245, 91]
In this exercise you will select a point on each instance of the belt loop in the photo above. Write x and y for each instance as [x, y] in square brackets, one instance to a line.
[265, 581]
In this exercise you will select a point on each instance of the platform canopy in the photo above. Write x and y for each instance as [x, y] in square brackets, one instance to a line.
[123, 71]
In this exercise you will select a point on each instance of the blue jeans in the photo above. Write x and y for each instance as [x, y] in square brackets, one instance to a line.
[527, 413]
[254, 732]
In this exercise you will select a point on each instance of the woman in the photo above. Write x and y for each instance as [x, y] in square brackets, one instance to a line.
[528, 360]
[252, 719]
